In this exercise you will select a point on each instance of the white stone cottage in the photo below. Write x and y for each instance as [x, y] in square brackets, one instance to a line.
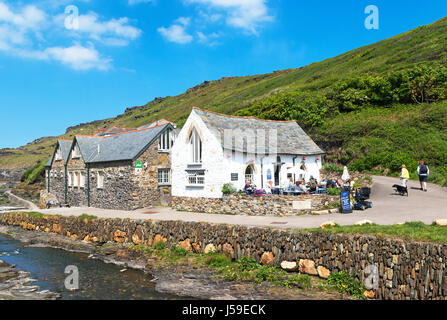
[213, 149]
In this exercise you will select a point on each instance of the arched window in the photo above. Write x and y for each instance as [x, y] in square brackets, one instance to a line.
[249, 173]
[195, 147]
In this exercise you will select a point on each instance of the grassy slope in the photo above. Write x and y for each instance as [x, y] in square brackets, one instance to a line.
[425, 44]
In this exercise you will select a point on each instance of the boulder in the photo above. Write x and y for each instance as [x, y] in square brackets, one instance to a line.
[362, 222]
[186, 244]
[196, 248]
[307, 266]
[369, 294]
[441, 222]
[209, 248]
[267, 259]
[228, 250]
[323, 272]
[289, 266]
[159, 238]
[119, 236]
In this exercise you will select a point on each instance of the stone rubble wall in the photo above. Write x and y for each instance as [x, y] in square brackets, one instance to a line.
[240, 203]
[407, 270]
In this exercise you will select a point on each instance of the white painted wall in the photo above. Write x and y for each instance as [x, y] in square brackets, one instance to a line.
[219, 164]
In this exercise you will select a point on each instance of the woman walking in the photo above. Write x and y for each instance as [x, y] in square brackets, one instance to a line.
[423, 172]
[404, 176]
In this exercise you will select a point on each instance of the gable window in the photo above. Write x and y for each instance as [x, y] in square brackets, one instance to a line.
[58, 154]
[164, 176]
[76, 152]
[166, 140]
[100, 177]
[195, 147]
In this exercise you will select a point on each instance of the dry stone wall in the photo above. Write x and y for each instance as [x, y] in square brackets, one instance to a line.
[406, 270]
[240, 203]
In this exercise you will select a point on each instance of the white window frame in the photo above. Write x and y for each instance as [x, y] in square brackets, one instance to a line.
[196, 147]
[164, 177]
[82, 180]
[70, 180]
[196, 178]
[166, 141]
[100, 180]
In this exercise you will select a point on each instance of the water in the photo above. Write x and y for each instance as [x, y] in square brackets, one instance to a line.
[97, 280]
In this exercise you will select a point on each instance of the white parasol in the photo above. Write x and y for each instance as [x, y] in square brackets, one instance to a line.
[345, 177]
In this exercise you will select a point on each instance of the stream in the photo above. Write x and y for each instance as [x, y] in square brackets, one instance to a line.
[97, 280]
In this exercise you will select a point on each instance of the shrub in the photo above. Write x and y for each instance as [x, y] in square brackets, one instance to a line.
[333, 191]
[34, 174]
[346, 283]
[247, 264]
[160, 245]
[228, 188]
[179, 251]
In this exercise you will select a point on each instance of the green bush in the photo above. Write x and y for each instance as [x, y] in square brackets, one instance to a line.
[333, 191]
[346, 283]
[228, 188]
[179, 251]
[160, 245]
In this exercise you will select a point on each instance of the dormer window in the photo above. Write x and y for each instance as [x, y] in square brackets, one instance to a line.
[166, 141]
[76, 152]
[58, 156]
[195, 147]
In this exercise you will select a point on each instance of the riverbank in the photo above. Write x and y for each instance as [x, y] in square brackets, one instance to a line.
[17, 285]
[184, 275]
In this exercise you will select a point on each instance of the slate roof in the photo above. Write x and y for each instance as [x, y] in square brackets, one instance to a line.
[118, 147]
[65, 146]
[291, 138]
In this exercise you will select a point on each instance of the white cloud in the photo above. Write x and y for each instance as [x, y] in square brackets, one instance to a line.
[27, 32]
[116, 32]
[245, 14]
[176, 33]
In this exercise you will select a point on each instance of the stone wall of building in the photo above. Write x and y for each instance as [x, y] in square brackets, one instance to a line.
[406, 270]
[240, 203]
[148, 191]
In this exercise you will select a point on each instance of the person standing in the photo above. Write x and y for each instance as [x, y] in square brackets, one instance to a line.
[423, 172]
[404, 176]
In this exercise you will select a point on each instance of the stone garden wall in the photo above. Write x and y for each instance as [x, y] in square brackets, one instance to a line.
[241, 203]
[407, 270]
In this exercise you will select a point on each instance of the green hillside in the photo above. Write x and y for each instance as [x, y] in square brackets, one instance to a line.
[373, 107]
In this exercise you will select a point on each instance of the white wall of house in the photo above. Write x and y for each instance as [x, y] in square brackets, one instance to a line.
[212, 162]
[219, 165]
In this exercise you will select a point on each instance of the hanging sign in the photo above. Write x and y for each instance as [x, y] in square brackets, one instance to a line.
[269, 174]
[138, 167]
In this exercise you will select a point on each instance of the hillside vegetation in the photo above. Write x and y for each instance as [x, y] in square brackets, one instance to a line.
[373, 108]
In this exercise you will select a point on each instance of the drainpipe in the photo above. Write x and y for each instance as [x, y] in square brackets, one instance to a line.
[294, 175]
[66, 184]
[49, 172]
[88, 185]
[262, 172]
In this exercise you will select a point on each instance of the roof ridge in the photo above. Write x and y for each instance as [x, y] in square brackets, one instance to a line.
[117, 134]
[243, 117]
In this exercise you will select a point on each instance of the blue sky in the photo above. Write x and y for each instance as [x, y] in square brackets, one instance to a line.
[65, 62]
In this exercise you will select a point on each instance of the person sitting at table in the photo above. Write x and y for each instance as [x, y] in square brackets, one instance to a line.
[312, 184]
[291, 184]
[248, 189]
[302, 186]
[269, 188]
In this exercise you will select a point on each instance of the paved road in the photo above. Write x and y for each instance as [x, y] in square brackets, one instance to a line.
[388, 208]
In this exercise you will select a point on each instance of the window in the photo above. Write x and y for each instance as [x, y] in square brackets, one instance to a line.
[100, 177]
[196, 147]
[76, 180]
[196, 178]
[70, 179]
[58, 154]
[81, 179]
[164, 176]
[166, 140]
[76, 152]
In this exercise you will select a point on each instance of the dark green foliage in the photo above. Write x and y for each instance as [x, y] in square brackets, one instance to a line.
[160, 245]
[34, 174]
[228, 188]
[333, 191]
